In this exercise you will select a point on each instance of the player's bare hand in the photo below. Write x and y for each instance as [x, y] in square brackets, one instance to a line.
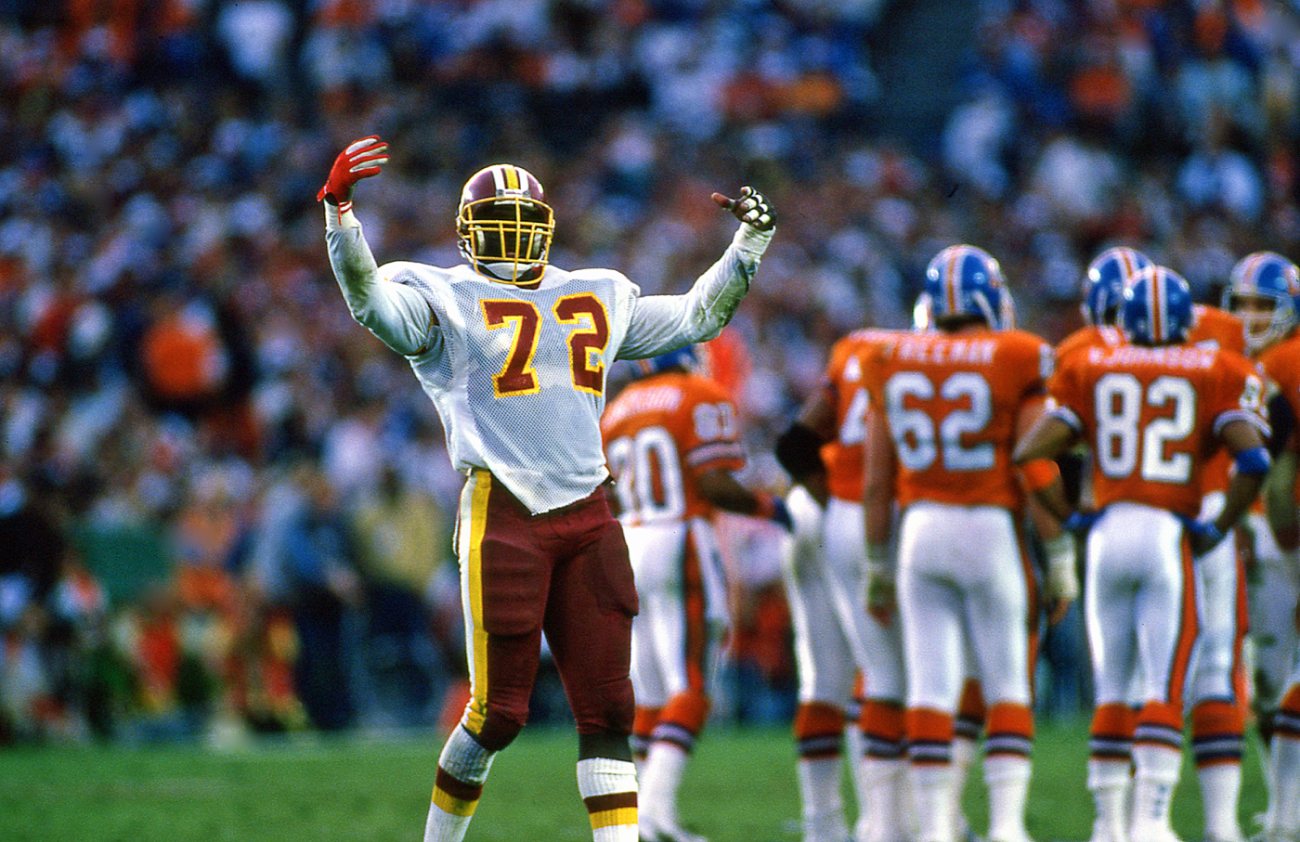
[881, 598]
[362, 159]
[751, 208]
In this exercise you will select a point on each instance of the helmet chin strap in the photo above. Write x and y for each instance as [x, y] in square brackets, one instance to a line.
[505, 271]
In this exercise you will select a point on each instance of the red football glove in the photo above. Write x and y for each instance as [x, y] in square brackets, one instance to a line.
[362, 159]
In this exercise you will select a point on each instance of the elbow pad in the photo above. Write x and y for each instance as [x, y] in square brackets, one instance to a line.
[798, 450]
[1253, 460]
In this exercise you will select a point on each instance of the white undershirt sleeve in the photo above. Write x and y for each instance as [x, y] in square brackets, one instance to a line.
[661, 323]
[397, 314]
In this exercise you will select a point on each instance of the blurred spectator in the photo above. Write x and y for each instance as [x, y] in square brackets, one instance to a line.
[402, 541]
[314, 554]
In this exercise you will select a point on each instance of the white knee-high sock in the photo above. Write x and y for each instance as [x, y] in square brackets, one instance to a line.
[462, 770]
[1007, 776]
[1156, 769]
[609, 791]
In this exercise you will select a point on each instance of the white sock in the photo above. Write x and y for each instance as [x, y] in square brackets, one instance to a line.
[963, 757]
[882, 813]
[462, 767]
[1285, 771]
[1155, 775]
[659, 781]
[932, 788]
[1220, 791]
[1007, 777]
[819, 791]
[608, 789]
[1109, 782]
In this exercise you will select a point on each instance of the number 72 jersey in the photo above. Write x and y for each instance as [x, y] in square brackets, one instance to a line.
[1152, 415]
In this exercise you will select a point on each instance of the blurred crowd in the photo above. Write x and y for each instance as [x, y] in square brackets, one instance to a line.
[224, 505]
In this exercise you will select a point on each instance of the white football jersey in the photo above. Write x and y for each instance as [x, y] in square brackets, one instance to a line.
[517, 375]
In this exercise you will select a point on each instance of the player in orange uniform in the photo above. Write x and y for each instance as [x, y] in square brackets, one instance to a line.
[672, 444]
[835, 639]
[946, 407]
[1217, 711]
[1108, 275]
[1153, 412]
[1264, 291]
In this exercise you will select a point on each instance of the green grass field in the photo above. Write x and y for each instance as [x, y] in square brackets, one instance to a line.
[740, 788]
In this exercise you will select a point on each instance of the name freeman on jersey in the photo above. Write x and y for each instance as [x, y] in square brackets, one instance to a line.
[959, 351]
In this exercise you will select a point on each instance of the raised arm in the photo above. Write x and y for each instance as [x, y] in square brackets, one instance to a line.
[662, 323]
[398, 315]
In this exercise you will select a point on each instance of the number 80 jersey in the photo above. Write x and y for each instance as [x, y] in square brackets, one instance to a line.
[1151, 416]
[952, 402]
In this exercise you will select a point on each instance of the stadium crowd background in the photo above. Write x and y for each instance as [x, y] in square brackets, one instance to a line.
[218, 493]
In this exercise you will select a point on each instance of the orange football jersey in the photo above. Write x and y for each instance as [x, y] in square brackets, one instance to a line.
[662, 432]
[1151, 416]
[1281, 365]
[1217, 328]
[1213, 327]
[843, 456]
[951, 403]
[1089, 336]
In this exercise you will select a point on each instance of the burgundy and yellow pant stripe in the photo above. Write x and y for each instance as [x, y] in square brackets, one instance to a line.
[474, 509]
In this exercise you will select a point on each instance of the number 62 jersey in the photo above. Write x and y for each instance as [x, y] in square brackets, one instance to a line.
[1151, 416]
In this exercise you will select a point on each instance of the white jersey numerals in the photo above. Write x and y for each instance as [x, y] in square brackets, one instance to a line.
[649, 475]
[1124, 444]
[921, 439]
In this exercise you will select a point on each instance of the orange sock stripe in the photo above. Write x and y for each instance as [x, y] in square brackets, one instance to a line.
[817, 719]
[644, 721]
[1111, 734]
[929, 736]
[688, 711]
[1217, 728]
[1291, 701]
[1114, 721]
[1010, 730]
[1217, 717]
[1159, 723]
[883, 720]
[818, 731]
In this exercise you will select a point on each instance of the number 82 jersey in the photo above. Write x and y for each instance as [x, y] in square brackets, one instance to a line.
[1151, 416]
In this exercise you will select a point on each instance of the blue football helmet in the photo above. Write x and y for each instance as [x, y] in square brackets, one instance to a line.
[685, 357]
[965, 280]
[1157, 308]
[1108, 274]
[1264, 292]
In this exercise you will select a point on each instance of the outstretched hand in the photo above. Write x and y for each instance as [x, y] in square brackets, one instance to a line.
[751, 208]
[362, 159]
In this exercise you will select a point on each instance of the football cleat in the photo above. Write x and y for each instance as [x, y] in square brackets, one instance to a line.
[1103, 287]
[504, 224]
[965, 280]
[1264, 292]
[1157, 308]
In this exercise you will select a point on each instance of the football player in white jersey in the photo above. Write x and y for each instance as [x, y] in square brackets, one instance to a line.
[514, 352]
